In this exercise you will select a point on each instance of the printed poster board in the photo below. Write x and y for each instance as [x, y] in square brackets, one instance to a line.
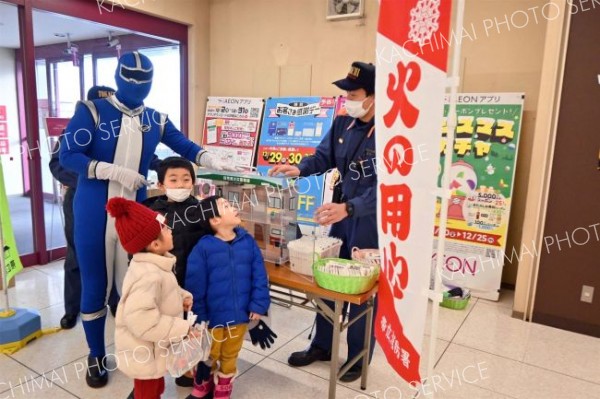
[481, 183]
[292, 128]
[231, 126]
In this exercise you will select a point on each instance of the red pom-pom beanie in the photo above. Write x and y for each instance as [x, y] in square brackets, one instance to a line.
[137, 226]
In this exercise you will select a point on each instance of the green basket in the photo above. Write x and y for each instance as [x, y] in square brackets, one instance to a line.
[343, 284]
[455, 303]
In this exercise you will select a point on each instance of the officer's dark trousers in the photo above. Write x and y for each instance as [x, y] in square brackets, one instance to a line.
[72, 276]
[356, 332]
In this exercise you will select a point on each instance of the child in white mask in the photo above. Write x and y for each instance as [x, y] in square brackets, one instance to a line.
[176, 178]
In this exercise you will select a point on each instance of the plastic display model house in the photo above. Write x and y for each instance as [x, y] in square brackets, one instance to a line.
[267, 208]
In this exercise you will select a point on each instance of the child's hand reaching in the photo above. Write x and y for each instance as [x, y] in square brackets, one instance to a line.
[187, 304]
[254, 316]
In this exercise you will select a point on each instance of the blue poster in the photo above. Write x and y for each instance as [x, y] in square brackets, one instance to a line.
[292, 128]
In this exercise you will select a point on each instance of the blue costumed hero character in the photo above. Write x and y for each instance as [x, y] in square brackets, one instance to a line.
[110, 142]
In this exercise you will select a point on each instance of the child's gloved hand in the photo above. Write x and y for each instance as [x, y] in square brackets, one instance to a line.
[263, 335]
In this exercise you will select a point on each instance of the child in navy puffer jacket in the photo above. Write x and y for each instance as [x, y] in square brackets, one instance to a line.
[227, 277]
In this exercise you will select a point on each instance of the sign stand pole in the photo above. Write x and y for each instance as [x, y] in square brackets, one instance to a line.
[7, 311]
[436, 294]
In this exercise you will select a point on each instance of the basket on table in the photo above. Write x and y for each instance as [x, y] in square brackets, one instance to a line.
[306, 250]
[345, 276]
[455, 302]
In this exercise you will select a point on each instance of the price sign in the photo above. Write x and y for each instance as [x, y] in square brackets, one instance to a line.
[291, 130]
[282, 157]
[271, 155]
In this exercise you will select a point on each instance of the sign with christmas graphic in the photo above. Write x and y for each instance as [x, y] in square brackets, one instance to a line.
[231, 128]
[411, 78]
[484, 157]
[292, 128]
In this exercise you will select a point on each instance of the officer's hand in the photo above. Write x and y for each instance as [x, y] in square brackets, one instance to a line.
[330, 213]
[288, 170]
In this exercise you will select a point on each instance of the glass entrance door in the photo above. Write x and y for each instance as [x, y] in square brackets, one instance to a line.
[45, 78]
[72, 55]
[58, 89]
[14, 151]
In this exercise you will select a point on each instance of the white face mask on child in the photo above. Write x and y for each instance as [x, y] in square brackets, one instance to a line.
[178, 194]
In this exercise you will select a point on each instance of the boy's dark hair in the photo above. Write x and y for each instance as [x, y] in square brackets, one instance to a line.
[174, 163]
[209, 208]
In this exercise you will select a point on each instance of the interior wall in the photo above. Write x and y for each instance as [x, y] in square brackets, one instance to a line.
[570, 256]
[544, 142]
[284, 47]
[194, 13]
[503, 52]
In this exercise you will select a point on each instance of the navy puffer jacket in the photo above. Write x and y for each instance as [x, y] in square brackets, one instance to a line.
[227, 280]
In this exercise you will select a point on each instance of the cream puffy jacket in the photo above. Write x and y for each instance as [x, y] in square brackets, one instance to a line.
[149, 317]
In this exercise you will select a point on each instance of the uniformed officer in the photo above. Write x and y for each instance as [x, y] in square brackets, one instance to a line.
[350, 147]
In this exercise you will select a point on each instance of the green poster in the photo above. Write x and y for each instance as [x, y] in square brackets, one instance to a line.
[11, 254]
[484, 156]
[483, 167]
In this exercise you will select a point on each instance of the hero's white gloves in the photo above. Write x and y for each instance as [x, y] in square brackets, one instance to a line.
[128, 178]
[212, 161]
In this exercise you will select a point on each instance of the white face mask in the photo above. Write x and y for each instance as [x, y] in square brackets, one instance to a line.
[355, 108]
[178, 194]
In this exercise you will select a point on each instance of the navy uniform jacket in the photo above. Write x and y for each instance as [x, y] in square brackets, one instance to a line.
[349, 148]
[64, 176]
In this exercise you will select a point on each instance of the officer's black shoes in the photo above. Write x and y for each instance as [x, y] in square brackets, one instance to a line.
[96, 376]
[308, 356]
[352, 374]
[68, 321]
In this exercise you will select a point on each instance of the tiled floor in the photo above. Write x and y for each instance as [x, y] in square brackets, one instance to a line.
[481, 352]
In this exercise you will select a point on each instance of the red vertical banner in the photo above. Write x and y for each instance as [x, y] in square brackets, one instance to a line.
[412, 53]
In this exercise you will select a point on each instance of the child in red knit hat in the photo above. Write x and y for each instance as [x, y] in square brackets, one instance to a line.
[150, 313]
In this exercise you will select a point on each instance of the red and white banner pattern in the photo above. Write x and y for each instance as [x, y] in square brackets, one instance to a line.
[411, 77]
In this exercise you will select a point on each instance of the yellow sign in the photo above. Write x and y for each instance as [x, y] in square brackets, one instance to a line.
[12, 261]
